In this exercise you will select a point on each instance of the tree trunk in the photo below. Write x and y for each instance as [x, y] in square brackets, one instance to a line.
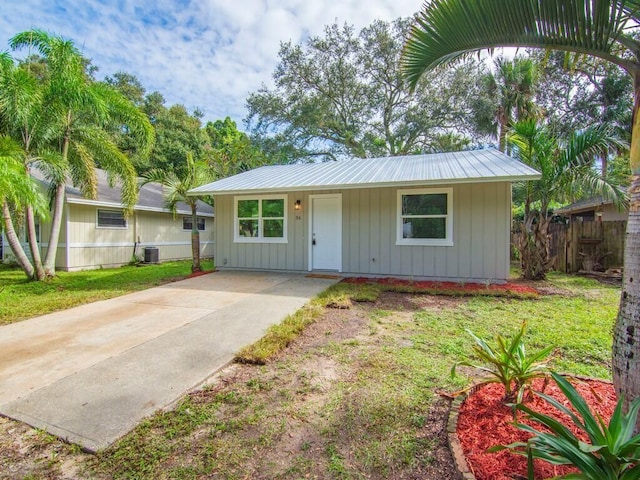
[533, 246]
[195, 241]
[502, 129]
[58, 210]
[14, 242]
[34, 246]
[626, 334]
[56, 223]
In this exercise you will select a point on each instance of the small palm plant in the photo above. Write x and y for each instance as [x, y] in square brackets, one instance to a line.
[611, 453]
[509, 363]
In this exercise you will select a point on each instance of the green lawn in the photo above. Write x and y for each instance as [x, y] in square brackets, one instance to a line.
[21, 299]
[355, 396]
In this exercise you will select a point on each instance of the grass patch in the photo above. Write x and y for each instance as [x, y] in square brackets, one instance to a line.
[580, 326]
[21, 298]
[280, 336]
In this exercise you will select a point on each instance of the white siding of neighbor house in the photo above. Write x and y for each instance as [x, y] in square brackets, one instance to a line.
[481, 215]
[92, 247]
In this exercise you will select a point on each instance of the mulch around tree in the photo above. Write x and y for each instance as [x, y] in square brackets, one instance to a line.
[485, 421]
[508, 289]
[199, 274]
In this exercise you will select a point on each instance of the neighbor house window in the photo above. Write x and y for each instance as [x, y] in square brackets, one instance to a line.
[37, 228]
[187, 224]
[261, 219]
[425, 217]
[111, 219]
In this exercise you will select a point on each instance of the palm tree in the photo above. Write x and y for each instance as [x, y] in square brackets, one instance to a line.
[447, 30]
[21, 117]
[175, 190]
[514, 82]
[566, 167]
[17, 188]
[80, 112]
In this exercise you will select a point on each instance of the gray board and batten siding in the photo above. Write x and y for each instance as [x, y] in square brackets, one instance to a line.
[480, 187]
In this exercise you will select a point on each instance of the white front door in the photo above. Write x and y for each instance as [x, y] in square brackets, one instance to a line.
[326, 232]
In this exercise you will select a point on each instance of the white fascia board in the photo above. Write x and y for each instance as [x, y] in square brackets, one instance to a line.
[98, 203]
[354, 186]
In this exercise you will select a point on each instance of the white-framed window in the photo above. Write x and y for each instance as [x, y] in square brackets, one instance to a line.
[111, 219]
[260, 219]
[187, 224]
[37, 228]
[425, 217]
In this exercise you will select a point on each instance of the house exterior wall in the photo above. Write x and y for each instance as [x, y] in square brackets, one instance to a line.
[609, 213]
[480, 251]
[90, 246]
[612, 214]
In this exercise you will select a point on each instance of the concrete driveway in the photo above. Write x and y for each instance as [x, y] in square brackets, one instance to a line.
[91, 373]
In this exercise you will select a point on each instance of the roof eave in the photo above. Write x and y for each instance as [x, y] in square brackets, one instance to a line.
[417, 183]
[141, 208]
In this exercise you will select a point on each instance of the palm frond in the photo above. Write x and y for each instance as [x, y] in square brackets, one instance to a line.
[99, 145]
[447, 30]
[17, 187]
[82, 169]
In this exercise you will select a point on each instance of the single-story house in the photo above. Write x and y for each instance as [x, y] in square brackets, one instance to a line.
[96, 233]
[593, 209]
[443, 216]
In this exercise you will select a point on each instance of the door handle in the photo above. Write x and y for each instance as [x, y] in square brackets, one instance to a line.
[313, 242]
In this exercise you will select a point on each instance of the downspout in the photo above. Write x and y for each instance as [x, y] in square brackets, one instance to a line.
[136, 238]
[67, 243]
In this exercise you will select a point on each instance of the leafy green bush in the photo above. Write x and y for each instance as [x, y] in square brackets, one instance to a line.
[613, 452]
[509, 363]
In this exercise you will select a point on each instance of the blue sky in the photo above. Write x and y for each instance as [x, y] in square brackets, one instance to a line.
[208, 54]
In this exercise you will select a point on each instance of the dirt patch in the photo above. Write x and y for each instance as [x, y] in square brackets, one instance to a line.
[29, 453]
[411, 303]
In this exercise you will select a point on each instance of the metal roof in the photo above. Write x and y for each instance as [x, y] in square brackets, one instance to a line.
[457, 167]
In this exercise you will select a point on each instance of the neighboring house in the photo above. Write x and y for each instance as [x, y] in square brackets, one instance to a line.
[95, 233]
[593, 209]
[443, 216]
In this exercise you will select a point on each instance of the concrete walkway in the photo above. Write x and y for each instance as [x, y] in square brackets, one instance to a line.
[91, 373]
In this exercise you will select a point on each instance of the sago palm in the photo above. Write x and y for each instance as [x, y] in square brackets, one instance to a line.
[448, 30]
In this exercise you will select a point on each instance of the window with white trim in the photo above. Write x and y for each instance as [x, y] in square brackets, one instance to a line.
[187, 224]
[111, 219]
[261, 219]
[37, 228]
[425, 217]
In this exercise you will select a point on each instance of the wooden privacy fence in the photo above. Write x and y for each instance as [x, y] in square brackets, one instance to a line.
[586, 245]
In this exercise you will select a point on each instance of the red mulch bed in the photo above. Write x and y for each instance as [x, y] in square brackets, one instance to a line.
[450, 288]
[484, 421]
[199, 274]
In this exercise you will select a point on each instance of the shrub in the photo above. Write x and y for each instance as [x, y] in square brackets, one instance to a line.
[613, 452]
[509, 363]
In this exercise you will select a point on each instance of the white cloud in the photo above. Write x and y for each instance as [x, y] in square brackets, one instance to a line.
[208, 54]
